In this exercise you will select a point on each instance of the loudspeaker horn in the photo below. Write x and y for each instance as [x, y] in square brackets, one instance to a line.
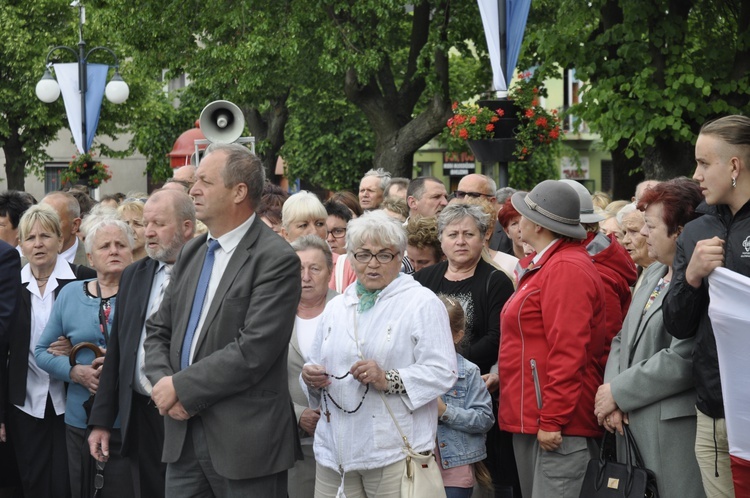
[222, 122]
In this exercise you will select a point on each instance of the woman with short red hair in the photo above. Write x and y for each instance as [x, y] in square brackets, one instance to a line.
[648, 381]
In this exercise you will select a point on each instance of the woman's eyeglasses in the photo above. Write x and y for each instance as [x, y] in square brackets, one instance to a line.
[366, 257]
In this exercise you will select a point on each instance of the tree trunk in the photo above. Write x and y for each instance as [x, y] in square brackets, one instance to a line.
[624, 182]
[269, 128]
[15, 163]
[669, 159]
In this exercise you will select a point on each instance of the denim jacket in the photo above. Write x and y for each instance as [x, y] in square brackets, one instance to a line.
[467, 418]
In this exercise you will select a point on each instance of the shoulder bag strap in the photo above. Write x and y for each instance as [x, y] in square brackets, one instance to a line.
[102, 315]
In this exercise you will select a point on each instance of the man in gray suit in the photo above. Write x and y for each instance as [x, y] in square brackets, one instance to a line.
[216, 351]
[67, 208]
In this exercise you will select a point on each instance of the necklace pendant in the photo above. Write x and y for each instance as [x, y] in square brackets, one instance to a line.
[328, 416]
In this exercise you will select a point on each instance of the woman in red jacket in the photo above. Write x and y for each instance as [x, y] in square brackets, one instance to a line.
[553, 335]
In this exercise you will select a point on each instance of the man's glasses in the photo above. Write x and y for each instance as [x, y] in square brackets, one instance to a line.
[337, 233]
[99, 478]
[366, 257]
[460, 194]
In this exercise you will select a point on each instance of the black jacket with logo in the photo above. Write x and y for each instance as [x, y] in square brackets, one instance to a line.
[686, 308]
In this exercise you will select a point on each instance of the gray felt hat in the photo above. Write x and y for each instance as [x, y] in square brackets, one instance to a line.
[587, 205]
[553, 205]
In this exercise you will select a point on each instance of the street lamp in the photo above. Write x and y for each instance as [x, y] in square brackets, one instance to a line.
[48, 89]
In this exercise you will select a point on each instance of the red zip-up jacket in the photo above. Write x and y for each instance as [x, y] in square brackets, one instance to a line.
[553, 334]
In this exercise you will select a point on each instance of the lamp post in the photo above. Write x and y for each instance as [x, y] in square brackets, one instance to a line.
[48, 89]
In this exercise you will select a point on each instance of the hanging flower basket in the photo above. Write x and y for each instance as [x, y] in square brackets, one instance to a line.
[85, 170]
[506, 130]
[493, 150]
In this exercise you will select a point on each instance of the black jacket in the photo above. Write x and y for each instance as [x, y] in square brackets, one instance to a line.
[686, 308]
[489, 291]
[15, 347]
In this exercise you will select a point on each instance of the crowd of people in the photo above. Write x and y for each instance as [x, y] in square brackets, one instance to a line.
[220, 337]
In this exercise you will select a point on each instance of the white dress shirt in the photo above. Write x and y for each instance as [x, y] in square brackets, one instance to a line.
[228, 242]
[70, 254]
[38, 382]
[141, 384]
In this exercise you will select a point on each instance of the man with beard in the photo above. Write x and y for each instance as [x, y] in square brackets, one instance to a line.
[169, 217]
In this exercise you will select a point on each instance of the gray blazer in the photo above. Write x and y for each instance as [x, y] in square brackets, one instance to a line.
[295, 363]
[650, 373]
[237, 382]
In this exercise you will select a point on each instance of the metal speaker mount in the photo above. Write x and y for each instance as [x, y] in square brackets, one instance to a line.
[222, 122]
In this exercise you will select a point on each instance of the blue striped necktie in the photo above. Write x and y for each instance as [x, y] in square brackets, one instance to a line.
[198, 301]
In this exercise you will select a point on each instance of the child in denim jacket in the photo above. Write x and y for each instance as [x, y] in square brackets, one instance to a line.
[464, 417]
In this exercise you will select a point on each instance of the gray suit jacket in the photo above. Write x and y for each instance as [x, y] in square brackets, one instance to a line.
[80, 258]
[295, 364]
[650, 373]
[237, 382]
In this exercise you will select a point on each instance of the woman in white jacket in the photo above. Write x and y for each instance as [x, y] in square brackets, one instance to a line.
[385, 333]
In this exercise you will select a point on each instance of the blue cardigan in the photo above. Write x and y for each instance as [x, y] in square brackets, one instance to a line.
[74, 315]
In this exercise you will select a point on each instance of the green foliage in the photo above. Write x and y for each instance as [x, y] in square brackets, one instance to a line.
[543, 164]
[653, 71]
[269, 57]
[30, 29]
[327, 142]
[375, 72]
[27, 125]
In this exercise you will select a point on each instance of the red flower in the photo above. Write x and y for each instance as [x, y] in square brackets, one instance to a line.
[554, 133]
[494, 119]
[535, 90]
[529, 113]
[535, 102]
[96, 181]
[490, 127]
[473, 120]
[454, 106]
[450, 122]
[500, 112]
[463, 134]
[524, 150]
[541, 122]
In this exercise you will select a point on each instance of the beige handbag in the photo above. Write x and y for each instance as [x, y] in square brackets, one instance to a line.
[421, 477]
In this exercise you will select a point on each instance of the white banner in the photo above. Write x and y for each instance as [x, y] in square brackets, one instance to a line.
[730, 317]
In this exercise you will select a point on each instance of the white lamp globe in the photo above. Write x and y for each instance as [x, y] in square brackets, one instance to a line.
[117, 90]
[47, 89]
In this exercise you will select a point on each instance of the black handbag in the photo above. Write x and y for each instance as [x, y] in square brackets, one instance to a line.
[606, 478]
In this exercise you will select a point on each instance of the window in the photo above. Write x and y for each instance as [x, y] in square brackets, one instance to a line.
[52, 173]
[424, 168]
[572, 97]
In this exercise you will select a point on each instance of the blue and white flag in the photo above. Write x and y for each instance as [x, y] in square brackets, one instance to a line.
[67, 78]
[515, 15]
